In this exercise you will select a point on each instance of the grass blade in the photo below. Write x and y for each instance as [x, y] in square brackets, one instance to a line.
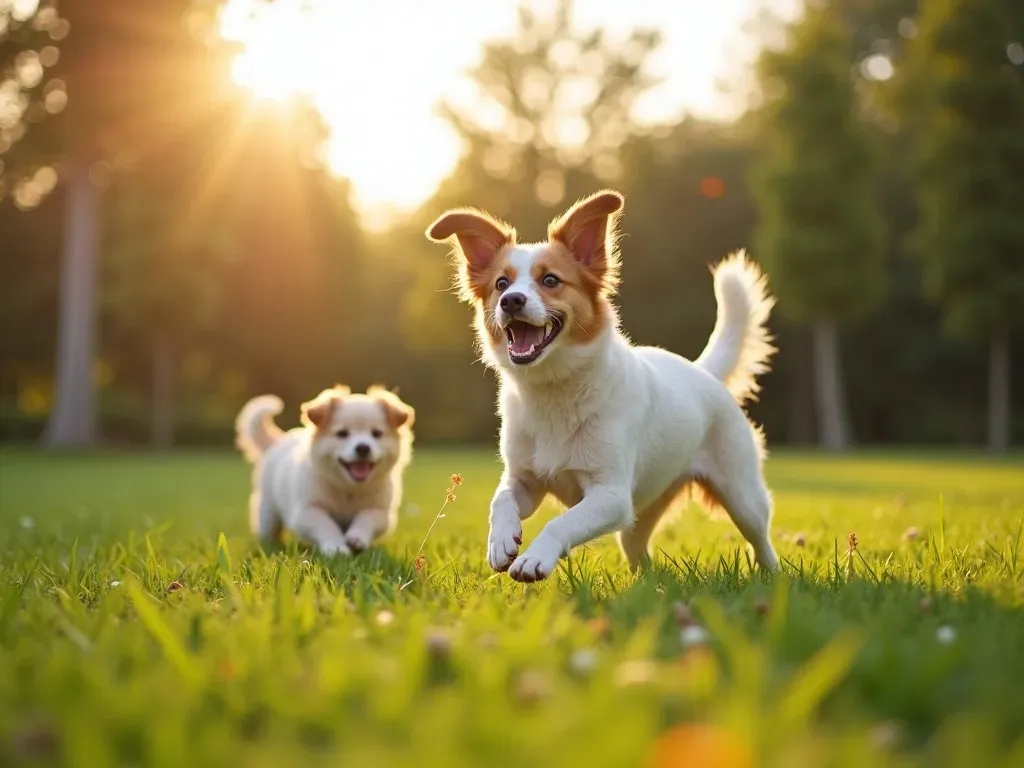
[162, 633]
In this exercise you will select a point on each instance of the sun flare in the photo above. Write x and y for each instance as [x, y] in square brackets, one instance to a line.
[377, 71]
[384, 133]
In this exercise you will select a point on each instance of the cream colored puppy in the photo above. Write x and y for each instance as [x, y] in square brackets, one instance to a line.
[613, 430]
[337, 480]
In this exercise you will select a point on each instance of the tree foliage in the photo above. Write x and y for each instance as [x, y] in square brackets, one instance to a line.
[968, 100]
[820, 233]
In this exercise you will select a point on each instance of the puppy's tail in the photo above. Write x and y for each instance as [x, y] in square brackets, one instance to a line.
[740, 346]
[255, 428]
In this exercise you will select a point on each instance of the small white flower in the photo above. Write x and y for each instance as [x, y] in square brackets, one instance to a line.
[945, 634]
[115, 583]
[583, 661]
[694, 634]
[28, 523]
[385, 618]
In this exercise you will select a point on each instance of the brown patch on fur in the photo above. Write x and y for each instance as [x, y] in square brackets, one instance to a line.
[479, 240]
[485, 296]
[478, 285]
[398, 413]
[318, 411]
[588, 231]
[704, 494]
[580, 294]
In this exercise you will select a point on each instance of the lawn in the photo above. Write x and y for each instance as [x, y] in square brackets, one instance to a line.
[140, 625]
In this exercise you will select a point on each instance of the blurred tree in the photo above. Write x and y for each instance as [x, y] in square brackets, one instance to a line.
[821, 234]
[554, 103]
[296, 313]
[123, 80]
[964, 94]
[161, 281]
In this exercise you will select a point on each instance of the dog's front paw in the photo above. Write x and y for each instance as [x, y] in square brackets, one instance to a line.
[331, 548]
[503, 543]
[358, 541]
[538, 561]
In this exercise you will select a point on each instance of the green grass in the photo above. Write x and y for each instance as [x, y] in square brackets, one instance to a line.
[286, 659]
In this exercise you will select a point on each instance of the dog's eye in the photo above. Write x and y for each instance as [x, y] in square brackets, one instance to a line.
[551, 281]
[377, 434]
[342, 433]
[502, 283]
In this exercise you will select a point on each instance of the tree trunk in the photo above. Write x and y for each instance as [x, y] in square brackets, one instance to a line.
[164, 374]
[830, 397]
[73, 419]
[801, 418]
[999, 393]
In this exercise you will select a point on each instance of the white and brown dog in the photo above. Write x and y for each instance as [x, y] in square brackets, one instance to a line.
[335, 481]
[614, 431]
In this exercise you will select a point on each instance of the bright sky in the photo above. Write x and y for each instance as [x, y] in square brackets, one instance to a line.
[378, 68]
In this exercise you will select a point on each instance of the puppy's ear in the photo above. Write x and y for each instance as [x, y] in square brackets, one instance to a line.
[588, 231]
[479, 235]
[398, 413]
[318, 411]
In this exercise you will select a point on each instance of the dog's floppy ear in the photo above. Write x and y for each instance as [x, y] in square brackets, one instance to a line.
[318, 411]
[479, 235]
[398, 413]
[588, 230]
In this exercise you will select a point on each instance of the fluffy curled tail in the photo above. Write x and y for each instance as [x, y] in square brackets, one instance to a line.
[740, 346]
[255, 428]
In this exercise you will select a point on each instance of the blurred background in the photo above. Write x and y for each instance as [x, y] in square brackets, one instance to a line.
[202, 201]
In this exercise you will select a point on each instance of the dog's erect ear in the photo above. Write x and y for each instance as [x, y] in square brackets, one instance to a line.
[588, 229]
[398, 413]
[318, 411]
[479, 235]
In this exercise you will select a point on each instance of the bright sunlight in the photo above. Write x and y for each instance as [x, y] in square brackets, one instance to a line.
[377, 71]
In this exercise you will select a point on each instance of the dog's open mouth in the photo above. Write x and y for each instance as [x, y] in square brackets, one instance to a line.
[358, 470]
[526, 341]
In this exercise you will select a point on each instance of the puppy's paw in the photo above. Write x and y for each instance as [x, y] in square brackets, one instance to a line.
[503, 543]
[331, 548]
[538, 561]
[358, 541]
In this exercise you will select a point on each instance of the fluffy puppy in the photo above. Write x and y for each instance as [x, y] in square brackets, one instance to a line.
[614, 431]
[336, 481]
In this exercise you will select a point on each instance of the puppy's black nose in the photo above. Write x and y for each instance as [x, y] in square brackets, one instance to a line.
[513, 302]
[362, 450]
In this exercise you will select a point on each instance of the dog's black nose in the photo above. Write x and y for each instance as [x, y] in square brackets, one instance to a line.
[513, 302]
[362, 450]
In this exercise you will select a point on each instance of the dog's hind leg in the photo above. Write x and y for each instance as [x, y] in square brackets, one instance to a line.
[264, 522]
[730, 474]
[634, 541]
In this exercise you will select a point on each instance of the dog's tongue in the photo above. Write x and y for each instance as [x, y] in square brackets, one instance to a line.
[524, 336]
[360, 470]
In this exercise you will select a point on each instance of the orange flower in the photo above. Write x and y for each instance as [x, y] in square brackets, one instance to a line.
[697, 744]
[456, 479]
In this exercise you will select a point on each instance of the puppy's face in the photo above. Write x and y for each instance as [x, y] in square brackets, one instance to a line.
[533, 300]
[361, 437]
